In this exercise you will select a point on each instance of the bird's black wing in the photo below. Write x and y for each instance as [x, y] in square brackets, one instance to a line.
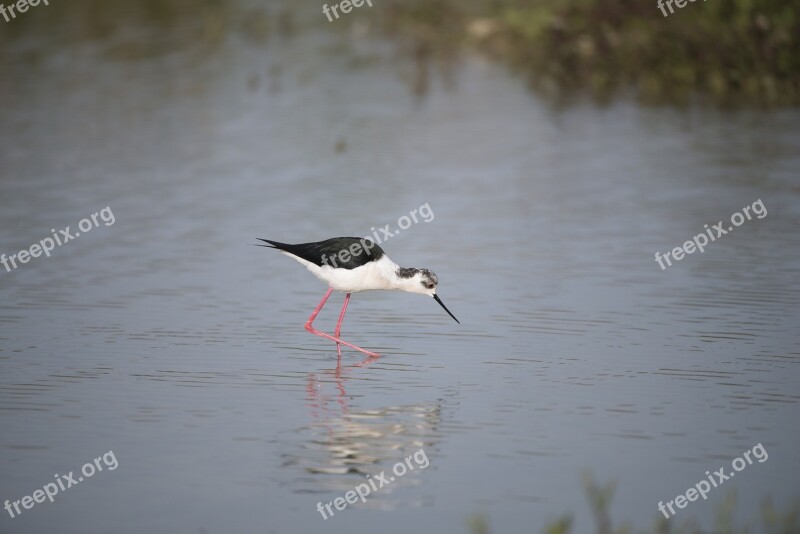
[356, 250]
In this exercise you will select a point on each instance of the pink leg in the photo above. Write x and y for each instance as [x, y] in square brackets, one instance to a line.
[339, 324]
[341, 315]
[309, 326]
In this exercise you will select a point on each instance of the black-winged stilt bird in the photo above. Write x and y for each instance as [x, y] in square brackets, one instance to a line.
[352, 264]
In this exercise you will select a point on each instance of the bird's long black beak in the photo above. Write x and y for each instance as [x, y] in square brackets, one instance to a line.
[436, 297]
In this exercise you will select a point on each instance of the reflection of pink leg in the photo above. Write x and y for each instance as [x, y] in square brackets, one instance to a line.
[368, 360]
[316, 332]
[339, 324]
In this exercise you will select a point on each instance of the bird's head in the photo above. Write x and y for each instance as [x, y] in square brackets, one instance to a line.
[422, 281]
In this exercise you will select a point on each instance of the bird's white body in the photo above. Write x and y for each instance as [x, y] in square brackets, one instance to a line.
[374, 275]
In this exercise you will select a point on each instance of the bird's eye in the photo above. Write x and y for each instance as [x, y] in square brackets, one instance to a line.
[428, 285]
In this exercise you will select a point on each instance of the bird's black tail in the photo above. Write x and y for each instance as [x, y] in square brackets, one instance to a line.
[273, 244]
[306, 251]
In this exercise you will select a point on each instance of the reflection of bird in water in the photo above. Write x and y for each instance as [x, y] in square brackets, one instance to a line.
[366, 268]
[341, 447]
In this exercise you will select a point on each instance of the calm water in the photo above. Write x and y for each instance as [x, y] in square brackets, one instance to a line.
[167, 338]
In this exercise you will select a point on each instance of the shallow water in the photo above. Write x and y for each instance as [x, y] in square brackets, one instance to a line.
[167, 338]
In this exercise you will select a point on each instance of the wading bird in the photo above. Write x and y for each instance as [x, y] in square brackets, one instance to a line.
[352, 264]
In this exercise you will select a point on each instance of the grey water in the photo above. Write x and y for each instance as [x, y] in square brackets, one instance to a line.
[167, 338]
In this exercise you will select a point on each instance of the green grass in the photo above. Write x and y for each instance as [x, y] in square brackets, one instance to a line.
[730, 52]
[599, 497]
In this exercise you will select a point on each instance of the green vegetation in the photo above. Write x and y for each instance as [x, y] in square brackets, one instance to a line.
[599, 497]
[731, 52]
